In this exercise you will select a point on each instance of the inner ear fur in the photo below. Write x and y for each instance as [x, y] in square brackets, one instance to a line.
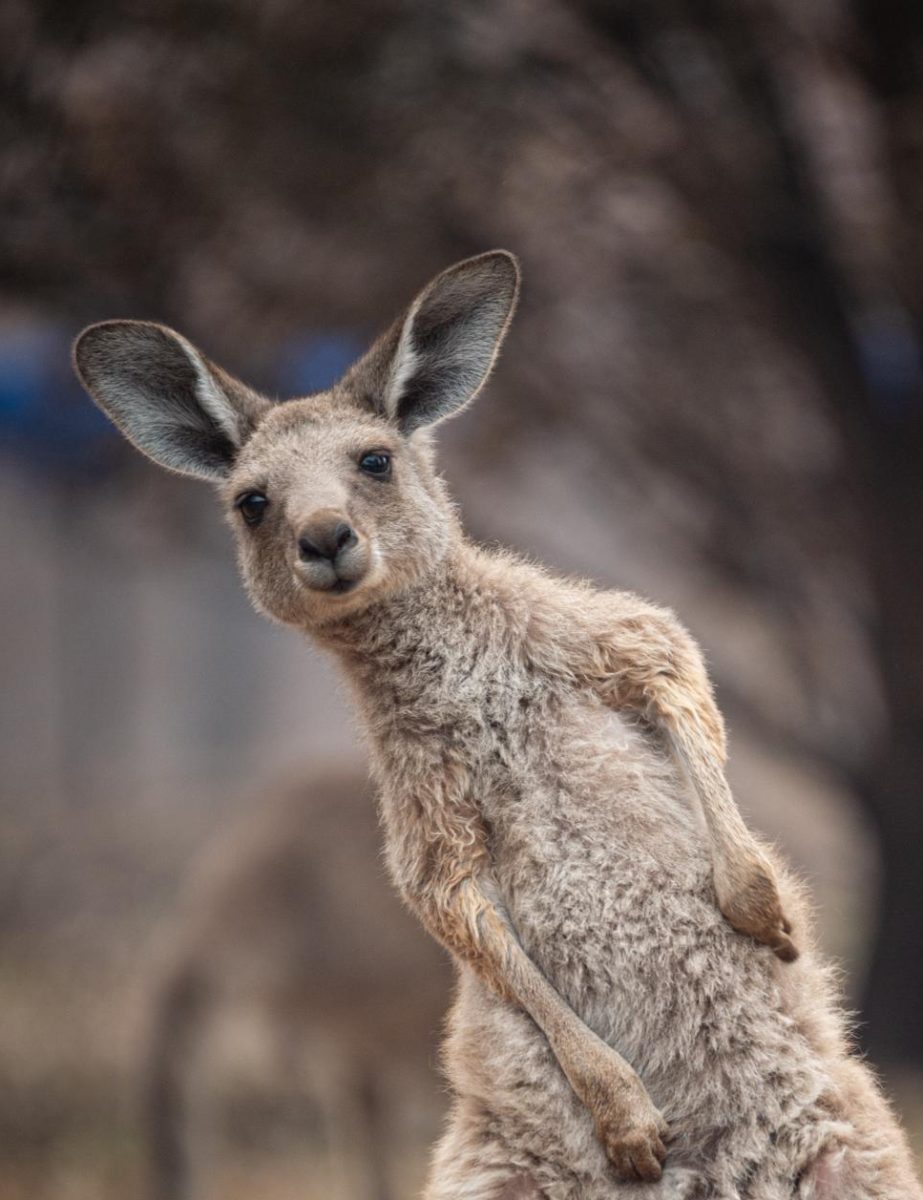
[168, 400]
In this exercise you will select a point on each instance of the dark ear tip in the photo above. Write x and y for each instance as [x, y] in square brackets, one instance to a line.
[507, 257]
[495, 272]
[103, 339]
[86, 336]
[511, 268]
[95, 335]
[503, 263]
[87, 343]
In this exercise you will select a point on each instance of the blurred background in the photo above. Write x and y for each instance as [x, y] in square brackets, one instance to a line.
[713, 394]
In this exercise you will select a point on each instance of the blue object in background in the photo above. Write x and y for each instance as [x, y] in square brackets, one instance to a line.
[891, 358]
[313, 362]
[45, 415]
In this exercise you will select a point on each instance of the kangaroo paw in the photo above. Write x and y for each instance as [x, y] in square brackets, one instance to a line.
[749, 901]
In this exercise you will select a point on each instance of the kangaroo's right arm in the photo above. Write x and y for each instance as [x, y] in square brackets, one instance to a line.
[640, 657]
[438, 857]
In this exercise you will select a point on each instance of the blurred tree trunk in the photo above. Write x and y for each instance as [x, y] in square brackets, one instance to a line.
[886, 428]
[893, 784]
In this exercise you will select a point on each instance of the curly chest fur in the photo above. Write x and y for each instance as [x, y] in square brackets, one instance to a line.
[591, 837]
[597, 854]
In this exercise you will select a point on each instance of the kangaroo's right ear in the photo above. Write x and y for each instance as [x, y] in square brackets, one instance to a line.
[167, 399]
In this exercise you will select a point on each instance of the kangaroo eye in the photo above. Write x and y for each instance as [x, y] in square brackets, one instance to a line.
[376, 463]
[252, 506]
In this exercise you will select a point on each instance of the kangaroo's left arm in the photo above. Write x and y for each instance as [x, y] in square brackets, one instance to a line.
[643, 659]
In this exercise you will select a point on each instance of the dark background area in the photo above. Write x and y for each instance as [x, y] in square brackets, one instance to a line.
[713, 394]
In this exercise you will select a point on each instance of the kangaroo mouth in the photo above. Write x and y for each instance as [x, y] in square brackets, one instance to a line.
[332, 580]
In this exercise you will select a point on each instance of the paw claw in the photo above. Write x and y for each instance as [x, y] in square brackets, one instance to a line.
[635, 1154]
[754, 908]
[785, 949]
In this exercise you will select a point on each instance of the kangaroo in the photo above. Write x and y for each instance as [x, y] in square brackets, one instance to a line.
[550, 767]
[290, 913]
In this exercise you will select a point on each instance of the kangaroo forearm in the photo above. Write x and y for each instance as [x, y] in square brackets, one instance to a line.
[729, 836]
[627, 1123]
[744, 878]
[644, 660]
[658, 672]
[576, 1047]
[477, 930]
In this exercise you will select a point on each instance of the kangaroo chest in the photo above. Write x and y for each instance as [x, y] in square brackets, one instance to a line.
[577, 800]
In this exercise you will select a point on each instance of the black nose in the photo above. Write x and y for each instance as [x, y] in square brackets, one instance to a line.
[325, 541]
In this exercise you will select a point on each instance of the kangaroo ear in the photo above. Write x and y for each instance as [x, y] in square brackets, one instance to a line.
[437, 358]
[165, 397]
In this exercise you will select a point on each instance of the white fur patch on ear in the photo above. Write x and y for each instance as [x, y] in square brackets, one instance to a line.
[404, 365]
[212, 399]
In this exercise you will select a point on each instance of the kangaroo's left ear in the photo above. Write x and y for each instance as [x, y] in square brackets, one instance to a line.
[438, 357]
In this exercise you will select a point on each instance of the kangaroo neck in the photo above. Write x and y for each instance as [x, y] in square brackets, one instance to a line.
[399, 640]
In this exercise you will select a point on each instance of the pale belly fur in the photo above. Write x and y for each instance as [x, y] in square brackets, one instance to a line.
[605, 874]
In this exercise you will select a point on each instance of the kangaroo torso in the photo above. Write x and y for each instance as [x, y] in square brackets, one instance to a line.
[599, 858]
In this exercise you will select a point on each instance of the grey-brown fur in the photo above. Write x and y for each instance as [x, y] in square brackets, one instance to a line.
[289, 915]
[550, 763]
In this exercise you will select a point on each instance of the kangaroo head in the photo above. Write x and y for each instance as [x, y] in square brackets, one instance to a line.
[333, 498]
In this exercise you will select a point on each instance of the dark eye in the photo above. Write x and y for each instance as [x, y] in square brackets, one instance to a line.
[377, 463]
[252, 506]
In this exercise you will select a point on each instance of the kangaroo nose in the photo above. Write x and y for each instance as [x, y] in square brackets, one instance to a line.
[325, 539]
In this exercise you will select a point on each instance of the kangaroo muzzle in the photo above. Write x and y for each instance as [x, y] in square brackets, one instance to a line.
[331, 555]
